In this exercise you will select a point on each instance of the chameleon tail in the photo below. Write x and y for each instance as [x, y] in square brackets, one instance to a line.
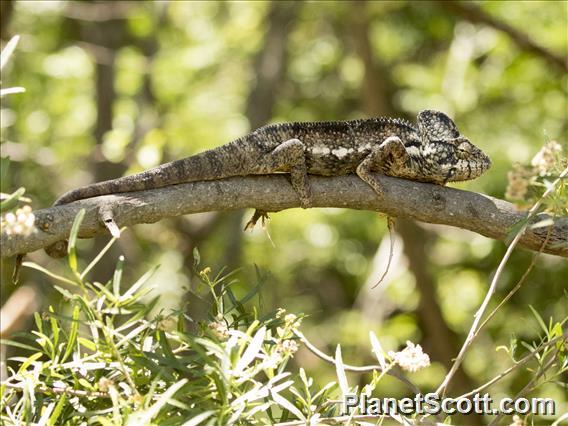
[214, 164]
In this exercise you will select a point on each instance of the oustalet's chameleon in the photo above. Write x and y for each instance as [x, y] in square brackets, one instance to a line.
[434, 151]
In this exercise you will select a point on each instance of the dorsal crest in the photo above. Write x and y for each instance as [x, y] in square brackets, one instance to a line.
[435, 125]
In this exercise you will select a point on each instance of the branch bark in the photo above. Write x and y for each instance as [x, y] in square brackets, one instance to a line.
[479, 213]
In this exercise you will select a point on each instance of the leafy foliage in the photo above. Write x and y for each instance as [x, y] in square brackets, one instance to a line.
[118, 89]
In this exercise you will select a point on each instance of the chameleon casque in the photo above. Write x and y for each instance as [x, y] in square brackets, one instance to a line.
[434, 151]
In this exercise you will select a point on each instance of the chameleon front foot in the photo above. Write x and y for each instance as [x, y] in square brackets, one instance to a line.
[305, 201]
[389, 155]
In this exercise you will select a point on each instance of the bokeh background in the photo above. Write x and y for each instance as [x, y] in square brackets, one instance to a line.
[113, 88]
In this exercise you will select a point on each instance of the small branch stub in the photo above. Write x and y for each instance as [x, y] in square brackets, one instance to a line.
[107, 218]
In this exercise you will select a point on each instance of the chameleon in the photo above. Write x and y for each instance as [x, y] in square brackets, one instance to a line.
[432, 151]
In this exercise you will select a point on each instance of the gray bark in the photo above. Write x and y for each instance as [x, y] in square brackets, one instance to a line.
[491, 217]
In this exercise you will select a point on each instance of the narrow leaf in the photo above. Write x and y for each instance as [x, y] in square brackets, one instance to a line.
[71, 249]
[378, 350]
[12, 199]
[8, 50]
[117, 277]
[200, 418]
[72, 334]
[99, 256]
[163, 400]
[141, 281]
[252, 350]
[539, 320]
[11, 91]
[284, 403]
[340, 370]
[49, 273]
[58, 409]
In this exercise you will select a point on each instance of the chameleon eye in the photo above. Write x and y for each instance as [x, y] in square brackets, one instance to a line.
[464, 150]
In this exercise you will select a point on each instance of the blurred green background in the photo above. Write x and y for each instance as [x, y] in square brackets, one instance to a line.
[113, 88]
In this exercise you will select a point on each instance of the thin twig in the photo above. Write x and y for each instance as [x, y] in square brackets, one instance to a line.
[515, 289]
[342, 419]
[530, 385]
[518, 364]
[356, 369]
[47, 390]
[473, 13]
[493, 286]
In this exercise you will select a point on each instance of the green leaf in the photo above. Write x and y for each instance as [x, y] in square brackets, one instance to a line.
[35, 266]
[57, 410]
[340, 370]
[287, 405]
[200, 418]
[151, 412]
[29, 361]
[11, 91]
[141, 281]
[539, 320]
[86, 384]
[72, 334]
[117, 277]
[15, 344]
[8, 50]
[99, 256]
[71, 247]
[145, 361]
[252, 350]
[12, 200]
[66, 293]
[378, 350]
[87, 343]
[4, 167]
[54, 327]
[38, 321]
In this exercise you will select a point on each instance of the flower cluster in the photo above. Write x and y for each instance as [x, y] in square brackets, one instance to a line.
[411, 358]
[546, 158]
[219, 328]
[19, 223]
[543, 164]
[519, 181]
[287, 347]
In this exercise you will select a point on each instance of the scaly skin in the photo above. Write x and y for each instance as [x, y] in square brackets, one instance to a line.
[434, 152]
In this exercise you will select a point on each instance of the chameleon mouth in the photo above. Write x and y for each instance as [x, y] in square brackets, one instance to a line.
[480, 167]
[471, 169]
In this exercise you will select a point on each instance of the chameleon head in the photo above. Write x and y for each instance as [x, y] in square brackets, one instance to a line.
[453, 157]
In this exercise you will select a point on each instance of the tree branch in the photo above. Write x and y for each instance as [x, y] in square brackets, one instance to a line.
[476, 14]
[479, 213]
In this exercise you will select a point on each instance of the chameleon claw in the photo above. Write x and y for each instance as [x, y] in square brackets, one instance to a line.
[258, 214]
